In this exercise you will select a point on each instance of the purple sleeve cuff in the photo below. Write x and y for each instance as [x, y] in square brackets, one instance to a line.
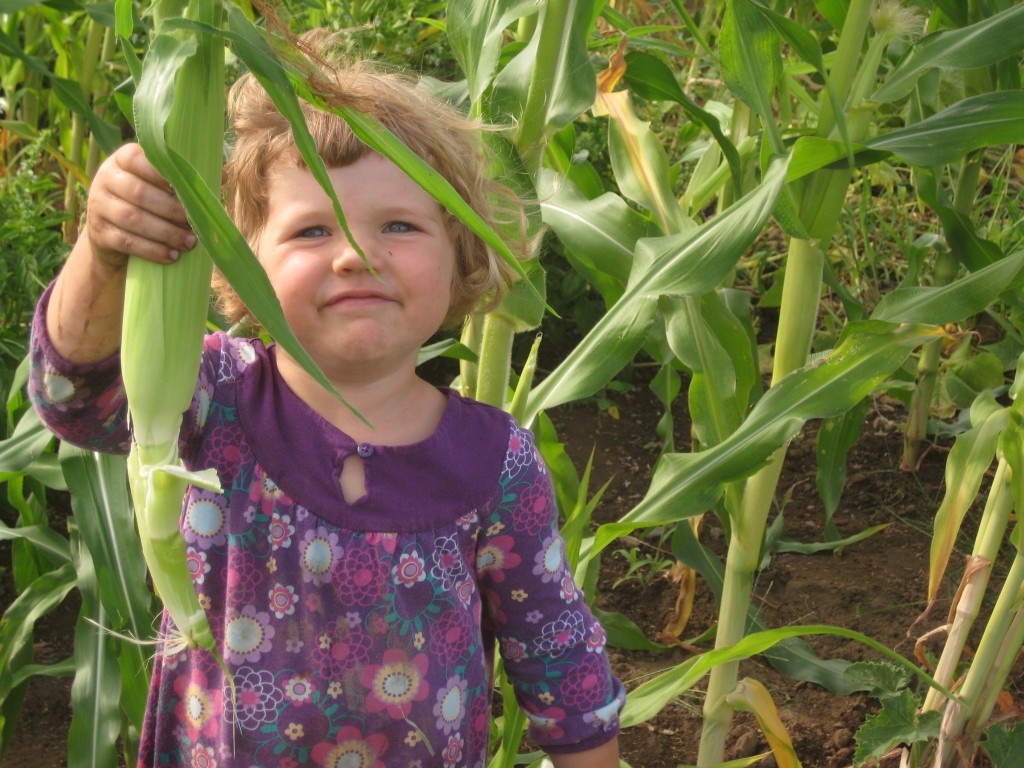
[83, 404]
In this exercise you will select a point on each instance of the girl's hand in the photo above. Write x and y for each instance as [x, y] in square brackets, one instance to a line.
[132, 210]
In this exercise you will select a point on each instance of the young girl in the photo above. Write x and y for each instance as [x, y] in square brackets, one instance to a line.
[356, 578]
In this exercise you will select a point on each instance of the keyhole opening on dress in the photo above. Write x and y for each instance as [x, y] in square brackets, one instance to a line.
[353, 478]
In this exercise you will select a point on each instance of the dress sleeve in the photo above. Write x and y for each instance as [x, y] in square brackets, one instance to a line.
[85, 405]
[82, 404]
[552, 646]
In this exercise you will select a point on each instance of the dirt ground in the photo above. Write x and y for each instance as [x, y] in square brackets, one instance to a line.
[876, 587]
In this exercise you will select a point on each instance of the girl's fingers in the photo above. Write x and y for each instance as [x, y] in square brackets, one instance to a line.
[125, 229]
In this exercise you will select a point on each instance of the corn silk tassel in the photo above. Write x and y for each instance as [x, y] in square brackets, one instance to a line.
[165, 315]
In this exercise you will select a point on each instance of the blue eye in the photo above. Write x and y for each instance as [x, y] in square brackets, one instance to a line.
[314, 232]
[398, 227]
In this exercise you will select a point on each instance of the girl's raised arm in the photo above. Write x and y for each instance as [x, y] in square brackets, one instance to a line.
[131, 210]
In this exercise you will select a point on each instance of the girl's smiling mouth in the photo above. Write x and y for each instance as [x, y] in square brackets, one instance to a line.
[357, 298]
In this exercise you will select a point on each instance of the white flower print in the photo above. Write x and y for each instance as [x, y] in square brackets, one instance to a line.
[255, 699]
[449, 567]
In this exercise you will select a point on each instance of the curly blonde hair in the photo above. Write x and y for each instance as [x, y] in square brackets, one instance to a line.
[448, 141]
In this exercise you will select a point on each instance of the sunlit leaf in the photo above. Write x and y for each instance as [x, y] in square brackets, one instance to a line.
[688, 264]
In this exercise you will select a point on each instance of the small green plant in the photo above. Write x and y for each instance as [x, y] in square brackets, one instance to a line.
[647, 561]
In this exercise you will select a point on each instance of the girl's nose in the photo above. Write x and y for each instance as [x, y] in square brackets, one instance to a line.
[348, 258]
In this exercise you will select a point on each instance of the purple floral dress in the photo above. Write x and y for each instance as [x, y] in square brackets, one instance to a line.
[356, 634]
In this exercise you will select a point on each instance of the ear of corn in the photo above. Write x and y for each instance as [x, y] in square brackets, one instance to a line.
[166, 306]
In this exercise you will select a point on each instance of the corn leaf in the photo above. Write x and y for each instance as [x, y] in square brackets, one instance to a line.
[946, 137]
[990, 119]
[18, 621]
[26, 443]
[751, 63]
[601, 233]
[979, 45]
[42, 537]
[96, 691]
[951, 303]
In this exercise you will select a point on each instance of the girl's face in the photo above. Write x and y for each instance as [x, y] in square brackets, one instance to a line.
[357, 325]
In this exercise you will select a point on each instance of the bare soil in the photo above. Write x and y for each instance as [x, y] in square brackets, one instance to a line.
[876, 587]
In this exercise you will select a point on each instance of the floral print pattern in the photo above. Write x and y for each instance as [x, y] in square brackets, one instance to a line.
[351, 647]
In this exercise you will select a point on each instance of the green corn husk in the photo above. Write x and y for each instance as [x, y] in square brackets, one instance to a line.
[164, 321]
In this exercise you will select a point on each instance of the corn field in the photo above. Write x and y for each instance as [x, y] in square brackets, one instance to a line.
[852, 167]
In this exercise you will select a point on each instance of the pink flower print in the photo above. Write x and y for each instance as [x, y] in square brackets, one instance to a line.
[410, 569]
[568, 592]
[386, 541]
[352, 648]
[450, 636]
[282, 600]
[496, 557]
[585, 684]
[449, 567]
[479, 724]
[314, 603]
[513, 650]
[533, 514]
[550, 560]
[242, 576]
[197, 565]
[320, 551]
[199, 707]
[396, 683]
[519, 453]
[109, 405]
[204, 522]
[533, 617]
[545, 722]
[450, 709]
[298, 689]
[202, 757]
[361, 577]
[281, 531]
[247, 634]
[351, 749]
[597, 640]
[221, 445]
[452, 753]
[256, 698]
[562, 633]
